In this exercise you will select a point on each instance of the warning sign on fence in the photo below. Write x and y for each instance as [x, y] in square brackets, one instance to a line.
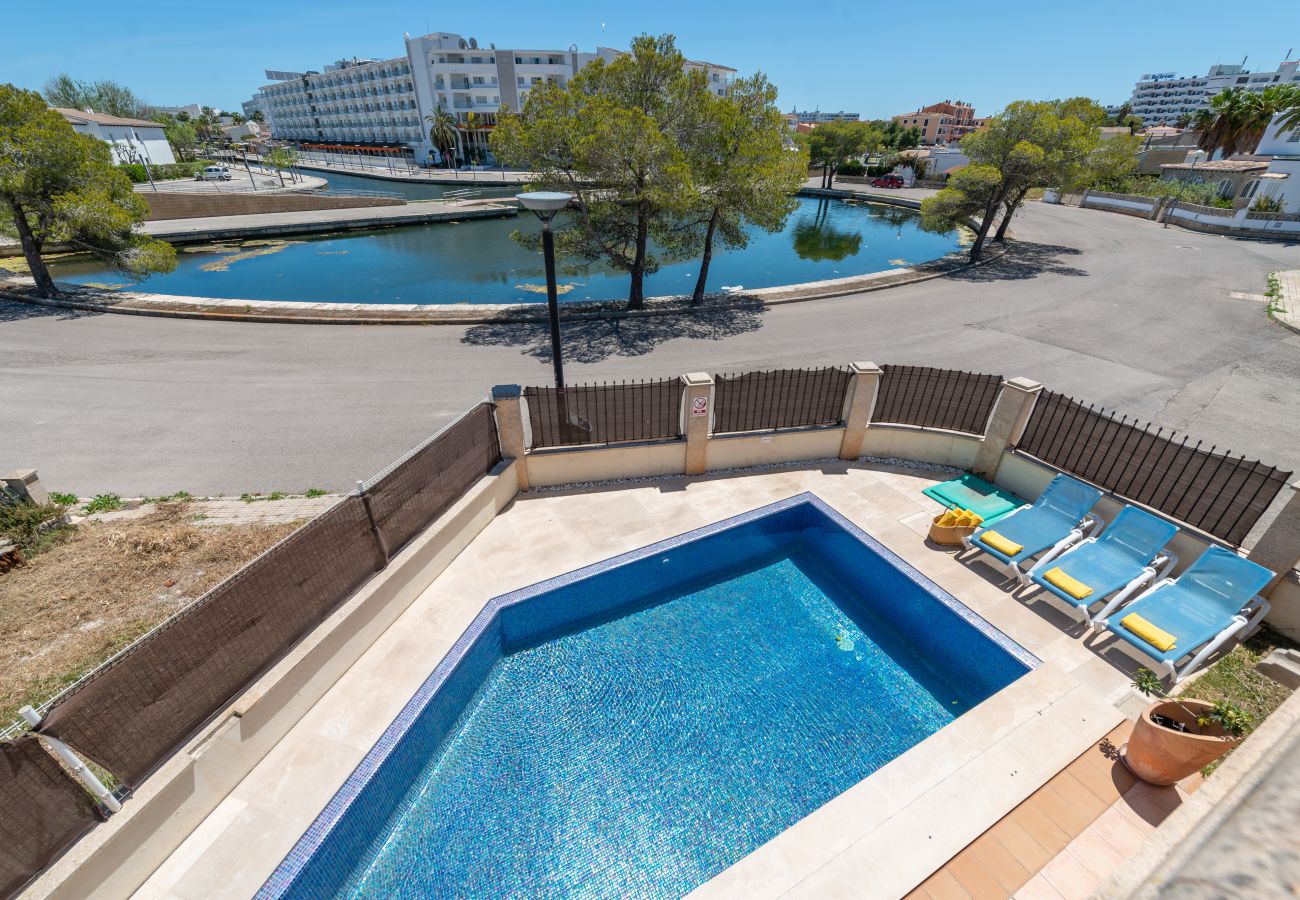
[700, 406]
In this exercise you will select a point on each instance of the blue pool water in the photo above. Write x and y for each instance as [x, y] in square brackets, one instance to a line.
[632, 729]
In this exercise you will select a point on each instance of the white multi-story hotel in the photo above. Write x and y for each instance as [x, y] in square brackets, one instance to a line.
[383, 103]
[353, 102]
[1161, 98]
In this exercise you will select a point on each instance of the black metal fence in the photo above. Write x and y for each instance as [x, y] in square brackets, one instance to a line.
[606, 413]
[784, 398]
[1207, 489]
[936, 398]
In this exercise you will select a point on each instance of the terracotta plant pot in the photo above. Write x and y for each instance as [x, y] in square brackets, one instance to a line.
[1160, 755]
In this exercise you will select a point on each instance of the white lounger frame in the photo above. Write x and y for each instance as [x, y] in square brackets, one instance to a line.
[1243, 625]
[1089, 525]
[1161, 566]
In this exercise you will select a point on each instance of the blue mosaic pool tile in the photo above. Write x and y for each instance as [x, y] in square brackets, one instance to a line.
[620, 721]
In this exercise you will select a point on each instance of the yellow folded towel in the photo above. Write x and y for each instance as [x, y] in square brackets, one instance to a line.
[948, 519]
[1072, 586]
[1000, 543]
[1153, 635]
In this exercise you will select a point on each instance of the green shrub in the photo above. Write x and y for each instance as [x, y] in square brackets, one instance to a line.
[30, 525]
[1151, 186]
[852, 167]
[877, 171]
[314, 492]
[164, 171]
[1220, 202]
[1268, 205]
[103, 503]
[63, 498]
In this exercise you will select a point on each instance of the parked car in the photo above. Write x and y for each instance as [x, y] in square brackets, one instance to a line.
[213, 173]
[889, 181]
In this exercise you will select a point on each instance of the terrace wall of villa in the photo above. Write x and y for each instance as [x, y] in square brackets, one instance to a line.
[960, 420]
[1207, 219]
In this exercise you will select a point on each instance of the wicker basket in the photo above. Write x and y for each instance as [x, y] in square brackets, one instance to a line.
[949, 535]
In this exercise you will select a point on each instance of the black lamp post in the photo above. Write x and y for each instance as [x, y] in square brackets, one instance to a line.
[545, 204]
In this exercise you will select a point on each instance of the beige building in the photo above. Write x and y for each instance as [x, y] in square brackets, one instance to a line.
[942, 123]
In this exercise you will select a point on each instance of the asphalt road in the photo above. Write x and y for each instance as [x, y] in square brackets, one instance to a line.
[1107, 308]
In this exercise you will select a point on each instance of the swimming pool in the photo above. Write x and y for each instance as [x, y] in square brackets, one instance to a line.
[632, 728]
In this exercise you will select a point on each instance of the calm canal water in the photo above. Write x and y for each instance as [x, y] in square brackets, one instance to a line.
[478, 262]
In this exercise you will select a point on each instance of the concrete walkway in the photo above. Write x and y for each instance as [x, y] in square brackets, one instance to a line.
[417, 212]
[264, 181]
[1107, 308]
[1286, 307]
[419, 176]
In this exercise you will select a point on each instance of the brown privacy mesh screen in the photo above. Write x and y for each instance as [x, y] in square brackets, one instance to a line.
[133, 712]
[424, 485]
[42, 810]
[1207, 489]
[786, 398]
[605, 413]
[936, 398]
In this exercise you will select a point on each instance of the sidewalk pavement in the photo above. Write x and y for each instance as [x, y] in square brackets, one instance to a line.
[267, 182]
[1286, 308]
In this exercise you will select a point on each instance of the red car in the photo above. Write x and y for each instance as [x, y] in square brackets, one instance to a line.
[888, 181]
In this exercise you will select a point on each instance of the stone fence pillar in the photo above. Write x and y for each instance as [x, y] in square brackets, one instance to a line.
[1278, 548]
[510, 428]
[1006, 423]
[858, 406]
[27, 484]
[697, 419]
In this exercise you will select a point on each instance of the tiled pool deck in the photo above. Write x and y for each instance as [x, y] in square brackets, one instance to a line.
[915, 813]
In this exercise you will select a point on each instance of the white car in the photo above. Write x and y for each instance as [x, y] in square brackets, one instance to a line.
[213, 173]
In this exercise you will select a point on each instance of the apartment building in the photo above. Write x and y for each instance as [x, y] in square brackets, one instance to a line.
[354, 102]
[817, 117]
[942, 123]
[383, 103]
[1162, 98]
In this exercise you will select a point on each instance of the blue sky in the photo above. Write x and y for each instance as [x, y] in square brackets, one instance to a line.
[874, 59]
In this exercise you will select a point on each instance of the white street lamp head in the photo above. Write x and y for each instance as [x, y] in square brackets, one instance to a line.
[544, 203]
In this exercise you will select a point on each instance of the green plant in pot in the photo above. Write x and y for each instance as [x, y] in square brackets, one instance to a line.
[1175, 737]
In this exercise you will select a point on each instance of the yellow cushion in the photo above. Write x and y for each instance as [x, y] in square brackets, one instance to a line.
[1000, 543]
[1153, 635]
[1072, 586]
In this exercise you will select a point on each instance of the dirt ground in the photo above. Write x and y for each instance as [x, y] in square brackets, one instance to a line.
[106, 583]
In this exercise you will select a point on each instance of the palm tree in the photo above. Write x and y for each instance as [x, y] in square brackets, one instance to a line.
[443, 133]
[1236, 120]
[1290, 120]
[1218, 122]
[472, 126]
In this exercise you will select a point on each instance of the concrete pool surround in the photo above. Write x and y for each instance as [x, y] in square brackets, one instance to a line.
[224, 811]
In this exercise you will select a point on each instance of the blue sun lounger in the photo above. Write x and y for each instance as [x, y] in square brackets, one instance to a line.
[1215, 600]
[1057, 520]
[1127, 557]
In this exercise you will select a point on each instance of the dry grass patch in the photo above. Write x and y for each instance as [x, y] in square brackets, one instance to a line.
[79, 602]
